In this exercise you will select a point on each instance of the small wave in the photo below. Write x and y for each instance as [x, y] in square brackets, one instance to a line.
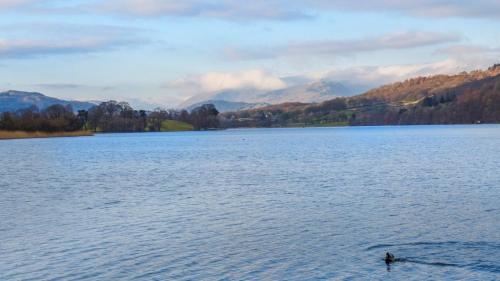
[429, 263]
[113, 202]
[488, 267]
[379, 246]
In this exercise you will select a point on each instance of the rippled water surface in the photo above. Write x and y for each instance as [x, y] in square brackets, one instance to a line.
[258, 204]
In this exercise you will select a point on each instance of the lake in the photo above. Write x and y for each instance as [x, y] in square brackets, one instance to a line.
[253, 204]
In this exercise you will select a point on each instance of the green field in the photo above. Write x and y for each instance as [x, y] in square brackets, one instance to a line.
[330, 124]
[175, 126]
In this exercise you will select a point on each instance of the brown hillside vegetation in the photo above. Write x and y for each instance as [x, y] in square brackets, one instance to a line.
[465, 98]
[420, 87]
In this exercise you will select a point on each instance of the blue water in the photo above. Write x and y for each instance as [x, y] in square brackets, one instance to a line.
[256, 204]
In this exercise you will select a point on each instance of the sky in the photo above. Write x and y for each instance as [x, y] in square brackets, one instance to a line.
[159, 53]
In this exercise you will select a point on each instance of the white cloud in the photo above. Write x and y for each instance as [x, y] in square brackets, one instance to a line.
[217, 81]
[246, 79]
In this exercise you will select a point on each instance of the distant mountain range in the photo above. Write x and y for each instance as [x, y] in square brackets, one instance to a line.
[464, 98]
[238, 99]
[224, 101]
[224, 106]
[467, 97]
[15, 100]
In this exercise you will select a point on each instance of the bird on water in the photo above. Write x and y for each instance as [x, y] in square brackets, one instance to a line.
[389, 258]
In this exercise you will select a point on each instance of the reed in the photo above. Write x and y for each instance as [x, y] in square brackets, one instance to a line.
[5, 135]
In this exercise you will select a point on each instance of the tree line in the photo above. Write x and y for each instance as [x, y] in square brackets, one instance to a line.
[55, 118]
[108, 116]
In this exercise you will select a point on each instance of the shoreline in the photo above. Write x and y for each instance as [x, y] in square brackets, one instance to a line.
[355, 126]
[12, 135]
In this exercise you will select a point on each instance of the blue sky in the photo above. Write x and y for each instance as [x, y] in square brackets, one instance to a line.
[162, 52]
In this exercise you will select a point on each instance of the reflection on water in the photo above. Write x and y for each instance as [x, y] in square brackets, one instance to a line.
[287, 204]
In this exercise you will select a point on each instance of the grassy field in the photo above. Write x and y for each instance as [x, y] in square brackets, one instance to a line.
[330, 124]
[174, 126]
[6, 135]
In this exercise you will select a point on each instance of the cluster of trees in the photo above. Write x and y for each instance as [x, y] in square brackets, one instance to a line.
[55, 118]
[202, 117]
[109, 116]
[115, 116]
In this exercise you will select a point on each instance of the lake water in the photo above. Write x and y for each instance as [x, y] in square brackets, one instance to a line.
[255, 204]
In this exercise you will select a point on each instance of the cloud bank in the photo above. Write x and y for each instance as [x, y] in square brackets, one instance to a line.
[298, 9]
[423, 8]
[395, 41]
[31, 48]
[364, 77]
[205, 84]
[50, 39]
[270, 9]
[218, 81]
[7, 4]
[222, 9]
[374, 76]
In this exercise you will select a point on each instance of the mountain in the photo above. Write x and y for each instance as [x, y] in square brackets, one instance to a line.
[15, 100]
[225, 106]
[310, 93]
[464, 98]
[317, 91]
[237, 96]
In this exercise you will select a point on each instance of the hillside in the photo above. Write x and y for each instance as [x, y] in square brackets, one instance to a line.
[15, 100]
[465, 98]
[420, 87]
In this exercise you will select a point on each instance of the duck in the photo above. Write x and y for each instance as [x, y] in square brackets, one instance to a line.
[389, 258]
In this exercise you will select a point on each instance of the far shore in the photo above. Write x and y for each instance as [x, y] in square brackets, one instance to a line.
[10, 135]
